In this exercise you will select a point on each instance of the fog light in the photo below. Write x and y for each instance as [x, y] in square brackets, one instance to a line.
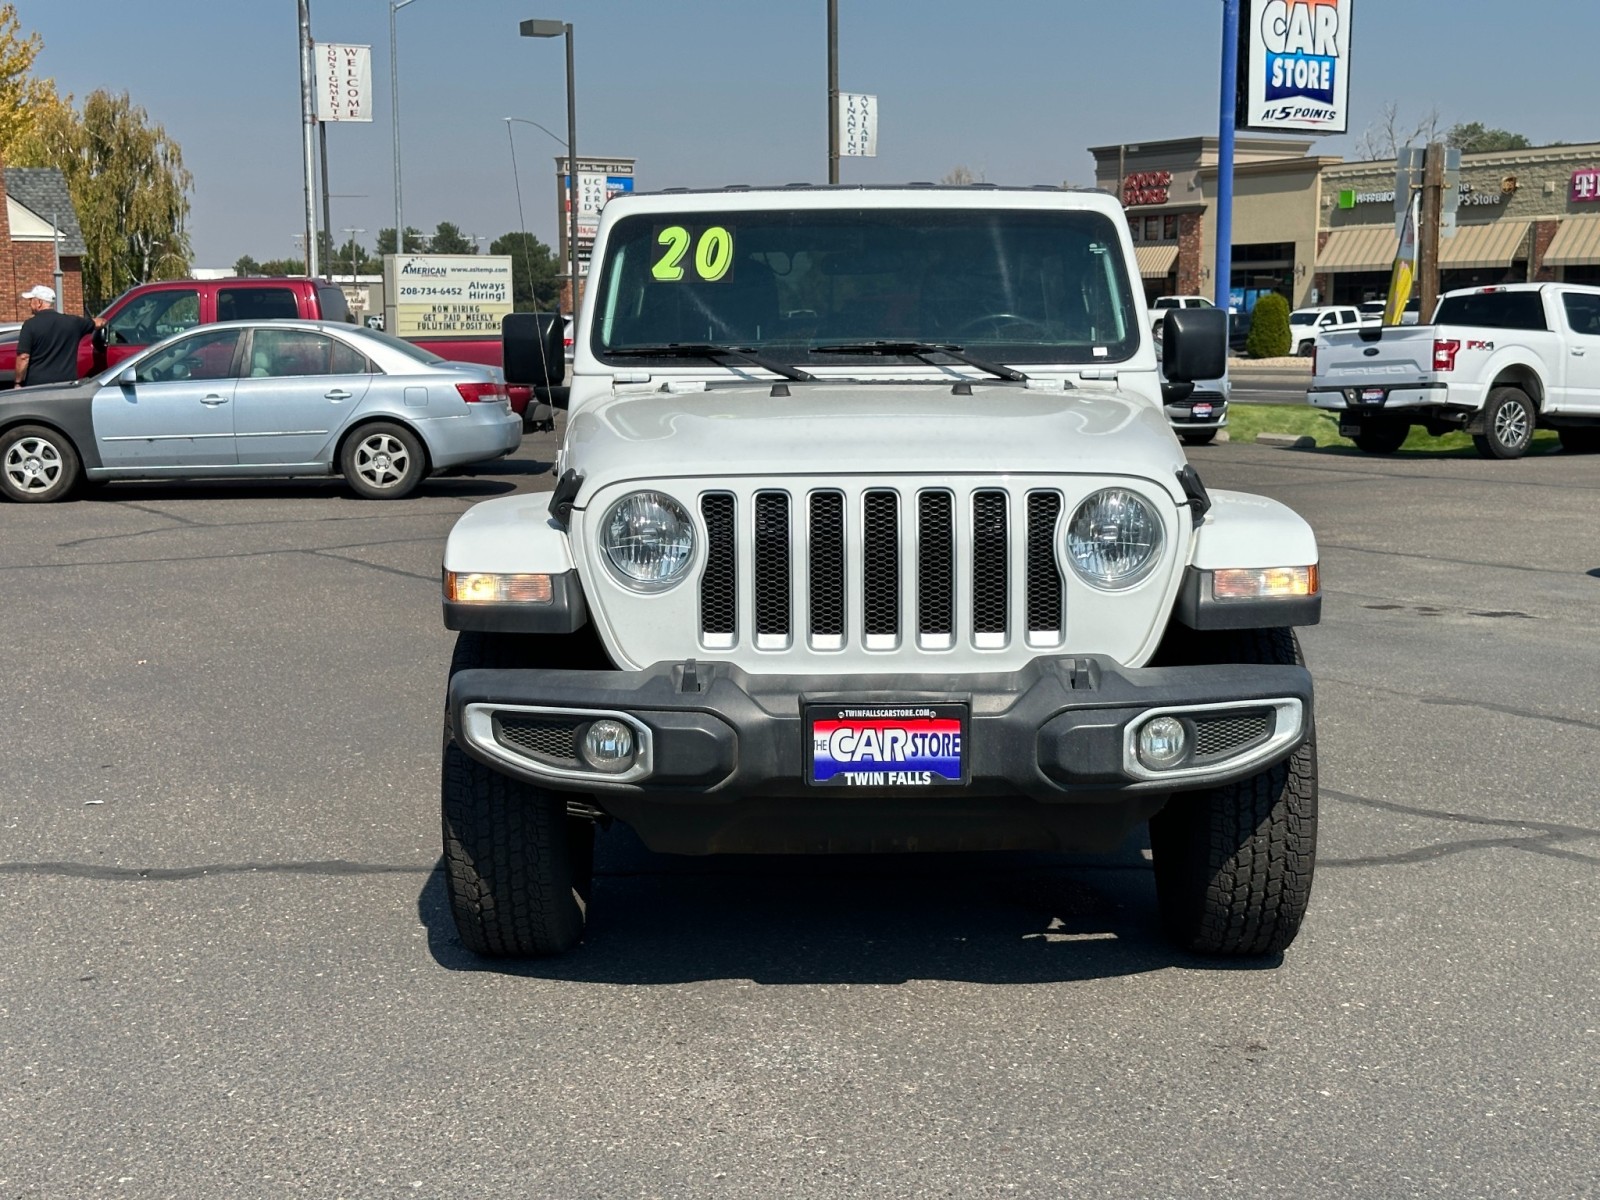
[1163, 743]
[608, 747]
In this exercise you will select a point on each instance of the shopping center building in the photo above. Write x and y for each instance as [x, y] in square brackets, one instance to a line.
[1321, 230]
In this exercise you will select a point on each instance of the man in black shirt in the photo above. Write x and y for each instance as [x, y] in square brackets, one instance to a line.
[47, 347]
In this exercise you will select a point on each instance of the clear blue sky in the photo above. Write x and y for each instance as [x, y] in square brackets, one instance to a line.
[733, 91]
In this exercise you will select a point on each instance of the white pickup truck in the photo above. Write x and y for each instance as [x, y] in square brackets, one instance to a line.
[869, 534]
[1498, 362]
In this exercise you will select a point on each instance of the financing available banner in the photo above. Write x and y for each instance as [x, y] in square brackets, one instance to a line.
[1294, 66]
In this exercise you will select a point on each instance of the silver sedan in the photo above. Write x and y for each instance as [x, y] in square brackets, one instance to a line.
[260, 398]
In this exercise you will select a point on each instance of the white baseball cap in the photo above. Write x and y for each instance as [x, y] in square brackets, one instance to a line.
[39, 292]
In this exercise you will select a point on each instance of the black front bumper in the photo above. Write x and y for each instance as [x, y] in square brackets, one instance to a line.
[1046, 746]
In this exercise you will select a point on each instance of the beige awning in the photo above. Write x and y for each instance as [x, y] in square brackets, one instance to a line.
[1576, 244]
[1363, 248]
[1494, 244]
[1156, 261]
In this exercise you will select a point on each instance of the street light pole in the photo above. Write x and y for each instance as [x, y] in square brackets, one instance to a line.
[536, 28]
[351, 231]
[394, 117]
[308, 118]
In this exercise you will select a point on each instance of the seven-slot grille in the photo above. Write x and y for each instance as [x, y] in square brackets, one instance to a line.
[930, 568]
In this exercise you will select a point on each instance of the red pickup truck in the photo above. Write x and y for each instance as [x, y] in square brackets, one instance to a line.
[148, 312]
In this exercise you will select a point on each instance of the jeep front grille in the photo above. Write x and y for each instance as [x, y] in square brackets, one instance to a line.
[882, 568]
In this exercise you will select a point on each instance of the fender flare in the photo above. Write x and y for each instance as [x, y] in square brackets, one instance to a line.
[515, 535]
[1247, 531]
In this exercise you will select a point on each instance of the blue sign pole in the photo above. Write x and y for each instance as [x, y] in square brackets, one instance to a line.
[1230, 92]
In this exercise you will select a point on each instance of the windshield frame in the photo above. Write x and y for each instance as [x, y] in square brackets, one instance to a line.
[1083, 234]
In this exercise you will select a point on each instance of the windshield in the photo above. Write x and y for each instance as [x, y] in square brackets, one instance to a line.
[1012, 286]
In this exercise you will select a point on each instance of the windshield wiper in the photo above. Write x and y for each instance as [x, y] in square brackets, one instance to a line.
[922, 350]
[712, 351]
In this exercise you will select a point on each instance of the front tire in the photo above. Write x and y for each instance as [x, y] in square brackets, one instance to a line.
[383, 461]
[38, 464]
[1508, 423]
[1234, 864]
[518, 868]
[516, 865]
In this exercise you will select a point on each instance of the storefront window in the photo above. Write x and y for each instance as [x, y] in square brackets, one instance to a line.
[1152, 229]
[1169, 229]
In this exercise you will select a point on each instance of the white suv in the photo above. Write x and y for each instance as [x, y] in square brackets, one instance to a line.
[1305, 324]
[869, 534]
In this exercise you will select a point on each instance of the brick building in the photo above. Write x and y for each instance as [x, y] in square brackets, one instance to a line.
[1318, 229]
[33, 197]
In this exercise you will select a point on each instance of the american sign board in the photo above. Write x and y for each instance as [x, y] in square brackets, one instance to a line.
[446, 295]
[1294, 66]
[344, 82]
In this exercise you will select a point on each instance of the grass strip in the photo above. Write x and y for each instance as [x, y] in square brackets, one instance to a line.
[1300, 420]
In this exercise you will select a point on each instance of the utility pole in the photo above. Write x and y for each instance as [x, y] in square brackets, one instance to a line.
[1428, 233]
[833, 91]
[308, 121]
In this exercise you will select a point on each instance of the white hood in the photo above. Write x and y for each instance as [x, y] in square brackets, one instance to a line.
[885, 429]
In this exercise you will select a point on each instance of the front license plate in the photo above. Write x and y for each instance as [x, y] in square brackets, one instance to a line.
[887, 745]
[1202, 412]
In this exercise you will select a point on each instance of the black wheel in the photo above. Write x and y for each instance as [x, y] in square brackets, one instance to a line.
[1200, 439]
[518, 868]
[383, 461]
[1580, 441]
[1306, 349]
[1381, 437]
[1234, 864]
[37, 464]
[1508, 423]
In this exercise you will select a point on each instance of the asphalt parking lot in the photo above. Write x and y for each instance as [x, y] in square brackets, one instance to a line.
[229, 968]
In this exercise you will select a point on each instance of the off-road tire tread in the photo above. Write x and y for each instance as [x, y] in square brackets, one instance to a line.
[1234, 864]
[518, 869]
[508, 862]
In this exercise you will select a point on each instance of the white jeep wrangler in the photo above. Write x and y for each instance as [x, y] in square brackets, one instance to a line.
[870, 534]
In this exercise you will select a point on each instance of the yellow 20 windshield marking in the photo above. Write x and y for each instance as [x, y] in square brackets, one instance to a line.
[713, 254]
[676, 239]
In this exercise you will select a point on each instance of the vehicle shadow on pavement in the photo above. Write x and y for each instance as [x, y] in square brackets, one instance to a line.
[865, 919]
[475, 486]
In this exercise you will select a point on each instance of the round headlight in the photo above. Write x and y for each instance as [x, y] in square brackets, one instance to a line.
[648, 539]
[1114, 539]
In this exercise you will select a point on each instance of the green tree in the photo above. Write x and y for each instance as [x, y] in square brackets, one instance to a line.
[535, 276]
[25, 102]
[245, 265]
[283, 266]
[1473, 138]
[1269, 328]
[129, 187]
[415, 242]
[448, 239]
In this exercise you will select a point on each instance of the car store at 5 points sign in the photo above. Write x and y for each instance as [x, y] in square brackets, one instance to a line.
[1294, 65]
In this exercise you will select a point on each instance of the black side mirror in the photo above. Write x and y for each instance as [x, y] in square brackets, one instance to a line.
[533, 349]
[1194, 345]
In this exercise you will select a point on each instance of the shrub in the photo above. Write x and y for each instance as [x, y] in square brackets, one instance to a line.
[1269, 328]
